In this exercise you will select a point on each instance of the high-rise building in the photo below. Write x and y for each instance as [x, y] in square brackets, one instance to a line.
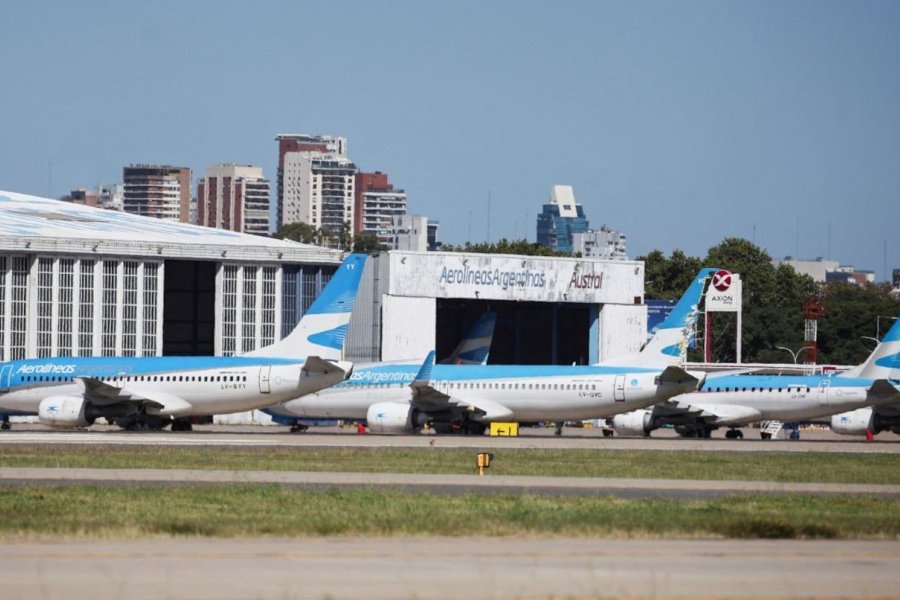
[376, 202]
[159, 191]
[303, 144]
[318, 189]
[603, 243]
[560, 219]
[896, 275]
[234, 197]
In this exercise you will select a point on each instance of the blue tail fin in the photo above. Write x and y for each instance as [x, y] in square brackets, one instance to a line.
[884, 362]
[475, 348]
[323, 327]
[669, 344]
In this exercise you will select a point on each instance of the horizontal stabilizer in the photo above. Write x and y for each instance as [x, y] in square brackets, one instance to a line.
[315, 365]
[673, 374]
[884, 390]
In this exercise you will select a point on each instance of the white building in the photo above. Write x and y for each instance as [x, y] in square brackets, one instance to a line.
[408, 232]
[603, 243]
[818, 269]
[234, 197]
[318, 189]
[78, 281]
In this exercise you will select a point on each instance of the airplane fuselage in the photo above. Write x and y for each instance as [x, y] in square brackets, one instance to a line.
[527, 393]
[210, 385]
[782, 397]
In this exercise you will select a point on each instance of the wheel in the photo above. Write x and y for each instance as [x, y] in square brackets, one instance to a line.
[734, 434]
[5, 426]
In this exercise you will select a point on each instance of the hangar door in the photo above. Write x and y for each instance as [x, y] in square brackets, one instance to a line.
[189, 314]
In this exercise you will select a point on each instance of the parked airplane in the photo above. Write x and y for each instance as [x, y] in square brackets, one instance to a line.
[469, 397]
[883, 363]
[736, 400]
[381, 382]
[155, 391]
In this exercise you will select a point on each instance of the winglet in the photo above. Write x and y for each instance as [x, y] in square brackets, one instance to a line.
[424, 373]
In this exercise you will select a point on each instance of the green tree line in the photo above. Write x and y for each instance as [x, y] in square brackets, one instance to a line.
[773, 306]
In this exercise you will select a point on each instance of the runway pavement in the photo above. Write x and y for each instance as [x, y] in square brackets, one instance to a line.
[447, 569]
[266, 436]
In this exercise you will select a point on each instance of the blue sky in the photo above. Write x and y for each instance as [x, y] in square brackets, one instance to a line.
[678, 123]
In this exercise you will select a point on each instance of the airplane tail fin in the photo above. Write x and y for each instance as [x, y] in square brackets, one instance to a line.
[884, 362]
[668, 346]
[476, 346]
[322, 328]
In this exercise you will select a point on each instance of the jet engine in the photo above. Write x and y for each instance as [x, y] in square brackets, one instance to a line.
[391, 417]
[855, 422]
[636, 422]
[64, 411]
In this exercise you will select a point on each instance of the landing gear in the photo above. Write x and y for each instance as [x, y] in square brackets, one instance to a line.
[182, 425]
[298, 427]
[734, 434]
[5, 424]
[558, 431]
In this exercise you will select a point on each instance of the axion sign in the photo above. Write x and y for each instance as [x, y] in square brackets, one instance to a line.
[724, 293]
[721, 280]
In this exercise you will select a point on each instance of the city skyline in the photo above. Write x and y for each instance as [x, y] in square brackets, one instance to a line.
[677, 124]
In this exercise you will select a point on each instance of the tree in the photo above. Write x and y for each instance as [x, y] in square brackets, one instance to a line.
[520, 247]
[301, 232]
[368, 243]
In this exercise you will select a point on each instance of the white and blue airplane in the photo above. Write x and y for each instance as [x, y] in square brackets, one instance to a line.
[468, 397]
[151, 392]
[884, 363]
[736, 400]
[382, 381]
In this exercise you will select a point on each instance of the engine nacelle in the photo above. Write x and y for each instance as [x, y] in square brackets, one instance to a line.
[64, 411]
[856, 422]
[636, 422]
[390, 417]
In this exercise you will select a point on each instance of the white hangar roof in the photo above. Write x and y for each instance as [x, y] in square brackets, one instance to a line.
[36, 224]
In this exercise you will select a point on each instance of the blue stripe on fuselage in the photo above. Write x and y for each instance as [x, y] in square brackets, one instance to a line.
[390, 374]
[64, 368]
[780, 381]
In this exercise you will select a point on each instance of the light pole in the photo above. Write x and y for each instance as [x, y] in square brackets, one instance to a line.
[794, 355]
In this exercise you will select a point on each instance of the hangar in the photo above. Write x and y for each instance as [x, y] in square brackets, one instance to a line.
[81, 281]
[550, 310]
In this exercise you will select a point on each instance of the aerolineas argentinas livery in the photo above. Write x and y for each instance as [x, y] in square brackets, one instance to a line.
[884, 363]
[735, 400]
[153, 391]
[471, 396]
[382, 382]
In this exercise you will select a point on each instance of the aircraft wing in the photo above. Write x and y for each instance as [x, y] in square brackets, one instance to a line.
[427, 398]
[716, 413]
[320, 366]
[102, 394]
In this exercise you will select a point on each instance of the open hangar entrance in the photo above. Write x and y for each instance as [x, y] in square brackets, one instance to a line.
[189, 294]
[526, 333]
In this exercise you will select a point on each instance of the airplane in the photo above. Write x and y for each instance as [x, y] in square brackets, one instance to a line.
[152, 392]
[883, 363]
[381, 381]
[466, 398]
[735, 400]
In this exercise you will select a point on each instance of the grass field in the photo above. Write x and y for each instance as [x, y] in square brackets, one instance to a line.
[81, 511]
[786, 467]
